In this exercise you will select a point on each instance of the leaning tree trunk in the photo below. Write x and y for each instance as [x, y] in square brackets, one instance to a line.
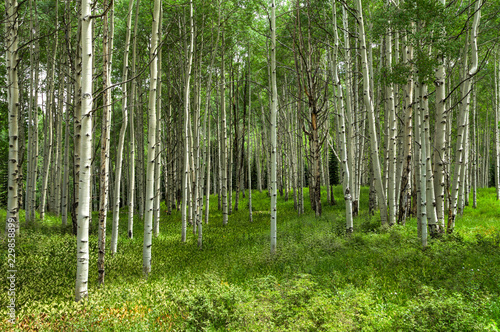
[371, 117]
[83, 216]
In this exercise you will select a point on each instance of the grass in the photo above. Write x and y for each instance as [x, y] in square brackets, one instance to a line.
[376, 279]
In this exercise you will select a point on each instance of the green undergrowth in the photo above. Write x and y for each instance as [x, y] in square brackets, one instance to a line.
[320, 279]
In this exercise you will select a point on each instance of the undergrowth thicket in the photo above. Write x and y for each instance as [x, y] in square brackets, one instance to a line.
[376, 279]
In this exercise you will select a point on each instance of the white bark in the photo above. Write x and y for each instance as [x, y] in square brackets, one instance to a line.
[346, 177]
[274, 112]
[150, 180]
[371, 117]
[83, 216]
[121, 139]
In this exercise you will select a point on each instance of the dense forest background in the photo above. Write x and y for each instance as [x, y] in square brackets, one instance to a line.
[120, 116]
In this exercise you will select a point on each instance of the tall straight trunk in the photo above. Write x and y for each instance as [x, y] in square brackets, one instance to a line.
[186, 128]
[83, 216]
[121, 139]
[49, 115]
[152, 149]
[406, 175]
[13, 102]
[430, 196]
[371, 117]
[440, 155]
[349, 114]
[58, 155]
[274, 111]
[422, 165]
[250, 213]
[223, 134]
[133, 98]
[105, 141]
[462, 118]
[346, 177]
[158, 151]
[65, 184]
[392, 132]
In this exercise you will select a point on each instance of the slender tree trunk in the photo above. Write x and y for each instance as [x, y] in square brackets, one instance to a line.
[152, 150]
[186, 129]
[371, 117]
[346, 177]
[123, 131]
[462, 118]
[274, 112]
[133, 97]
[13, 102]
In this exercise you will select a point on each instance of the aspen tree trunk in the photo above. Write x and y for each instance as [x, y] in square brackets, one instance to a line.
[207, 119]
[186, 128]
[223, 155]
[349, 114]
[392, 131]
[133, 97]
[274, 112]
[250, 216]
[440, 155]
[158, 151]
[121, 139]
[65, 188]
[49, 134]
[83, 216]
[430, 198]
[462, 118]
[13, 102]
[371, 117]
[58, 154]
[105, 141]
[405, 187]
[152, 150]
[32, 115]
[423, 170]
[346, 177]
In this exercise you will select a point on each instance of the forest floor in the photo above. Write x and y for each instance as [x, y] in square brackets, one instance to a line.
[377, 279]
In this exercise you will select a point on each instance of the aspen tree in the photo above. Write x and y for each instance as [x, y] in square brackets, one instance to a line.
[371, 117]
[148, 217]
[423, 170]
[392, 132]
[105, 138]
[223, 133]
[13, 102]
[121, 139]
[186, 126]
[274, 126]
[405, 187]
[83, 216]
[133, 97]
[158, 151]
[250, 216]
[346, 177]
[462, 118]
[440, 156]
